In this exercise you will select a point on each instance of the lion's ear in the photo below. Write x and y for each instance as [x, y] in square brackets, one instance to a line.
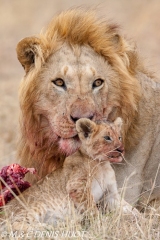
[120, 43]
[126, 51]
[28, 50]
[85, 127]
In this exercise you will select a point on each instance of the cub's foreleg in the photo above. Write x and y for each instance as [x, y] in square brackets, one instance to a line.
[112, 198]
[79, 189]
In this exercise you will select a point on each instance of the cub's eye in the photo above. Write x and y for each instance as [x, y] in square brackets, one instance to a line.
[98, 82]
[120, 138]
[108, 138]
[59, 82]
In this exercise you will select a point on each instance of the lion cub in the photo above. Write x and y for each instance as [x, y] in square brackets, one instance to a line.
[82, 181]
[92, 175]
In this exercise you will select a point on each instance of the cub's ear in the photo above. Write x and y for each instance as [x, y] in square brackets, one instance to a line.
[28, 51]
[85, 127]
[118, 122]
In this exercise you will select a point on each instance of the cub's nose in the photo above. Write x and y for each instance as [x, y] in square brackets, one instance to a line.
[76, 118]
[120, 149]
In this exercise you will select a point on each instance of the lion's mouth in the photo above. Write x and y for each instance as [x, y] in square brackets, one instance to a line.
[69, 146]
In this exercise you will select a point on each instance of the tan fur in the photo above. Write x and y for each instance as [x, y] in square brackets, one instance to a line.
[85, 178]
[90, 48]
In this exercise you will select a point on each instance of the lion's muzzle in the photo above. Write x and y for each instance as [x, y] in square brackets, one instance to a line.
[82, 108]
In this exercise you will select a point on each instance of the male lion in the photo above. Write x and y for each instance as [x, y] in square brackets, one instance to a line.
[80, 66]
[84, 179]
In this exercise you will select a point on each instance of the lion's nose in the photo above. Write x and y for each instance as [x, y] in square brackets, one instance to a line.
[76, 118]
[82, 108]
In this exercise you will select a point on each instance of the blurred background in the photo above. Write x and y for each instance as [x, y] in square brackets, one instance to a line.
[139, 20]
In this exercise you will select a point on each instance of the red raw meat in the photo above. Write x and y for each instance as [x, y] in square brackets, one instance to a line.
[13, 176]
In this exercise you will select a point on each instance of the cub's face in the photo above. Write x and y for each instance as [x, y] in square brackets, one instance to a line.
[101, 141]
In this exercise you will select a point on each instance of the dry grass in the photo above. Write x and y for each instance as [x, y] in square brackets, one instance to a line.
[109, 226]
[19, 19]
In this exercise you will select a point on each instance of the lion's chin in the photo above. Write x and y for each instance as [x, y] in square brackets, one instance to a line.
[68, 146]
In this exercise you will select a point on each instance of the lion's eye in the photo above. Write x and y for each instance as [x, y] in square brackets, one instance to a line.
[108, 138]
[59, 82]
[97, 83]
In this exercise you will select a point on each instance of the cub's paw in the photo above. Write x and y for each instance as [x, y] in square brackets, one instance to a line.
[115, 204]
[129, 210]
[112, 204]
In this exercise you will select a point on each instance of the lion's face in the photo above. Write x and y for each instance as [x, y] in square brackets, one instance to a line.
[73, 84]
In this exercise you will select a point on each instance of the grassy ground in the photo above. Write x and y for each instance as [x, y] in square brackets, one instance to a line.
[111, 226]
[18, 19]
